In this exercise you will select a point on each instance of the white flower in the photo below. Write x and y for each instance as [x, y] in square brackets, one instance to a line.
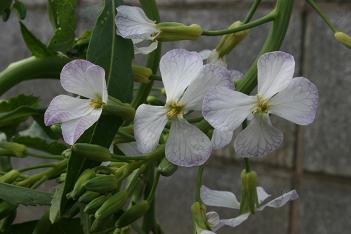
[132, 23]
[227, 199]
[186, 80]
[73, 113]
[295, 99]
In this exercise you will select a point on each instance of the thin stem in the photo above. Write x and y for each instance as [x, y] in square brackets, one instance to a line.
[154, 187]
[265, 19]
[315, 7]
[247, 165]
[198, 184]
[252, 11]
[45, 156]
[44, 165]
[119, 158]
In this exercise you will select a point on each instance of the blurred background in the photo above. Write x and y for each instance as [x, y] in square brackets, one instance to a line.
[315, 160]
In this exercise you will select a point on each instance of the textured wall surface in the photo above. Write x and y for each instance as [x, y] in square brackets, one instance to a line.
[316, 160]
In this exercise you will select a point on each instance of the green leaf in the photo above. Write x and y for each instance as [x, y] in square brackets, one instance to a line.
[35, 46]
[63, 14]
[20, 9]
[19, 195]
[18, 101]
[55, 209]
[5, 9]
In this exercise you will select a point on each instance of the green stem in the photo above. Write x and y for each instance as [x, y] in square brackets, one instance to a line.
[252, 11]
[45, 156]
[315, 7]
[265, 19]
[198, 183]
[39, 166]
[154, 187]
[247, 165]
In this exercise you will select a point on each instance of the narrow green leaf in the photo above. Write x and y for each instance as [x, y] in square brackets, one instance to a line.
[19, 195]
[36, 47]
[5, 9]
[20, 9]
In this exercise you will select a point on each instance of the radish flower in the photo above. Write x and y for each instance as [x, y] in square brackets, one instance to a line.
[295, 99]
[77, 114]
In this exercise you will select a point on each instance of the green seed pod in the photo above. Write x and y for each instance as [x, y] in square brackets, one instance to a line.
[102, 184]
[13, 149]
[79, 186]
[343, 38]
[132, 214]
[111, 205]
[88, 196]
[95, 204]
[171, 31]
[141, 74]
[249, 200]
[92, 152]
[166, 168]
[9, 177]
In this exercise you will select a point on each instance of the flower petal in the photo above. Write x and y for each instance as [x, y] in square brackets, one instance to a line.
[234, 222]
[281, 201]
[297, 103]
[149, 123]
[210, 76]
[129, 149]
[235, 75]
[85, 79]
[207, 232]
[261, 195]
[218, 198]
[213, 220]
[226, 109]
[259, 138]
[73, 129]
[275, 71]
[179, 68]
[186, 145]
[205, 54]
[147, 49]
[220, 139]
[132, 23]
[65, 108]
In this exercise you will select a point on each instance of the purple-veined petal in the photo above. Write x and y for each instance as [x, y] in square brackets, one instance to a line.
[129, 148]
[65, 108]
[179, 68]
[218, 198]
[213, 220]
[149, 123]
[210, 76]
[259, 138]
[220, 139]
[132, 23]
[261, 195]
[234, 222]
[84, 78]
[186, 145]
[146, 49]
[73, 129]
[275, 71]
[281, 201]
[297, 103]
[226, 109]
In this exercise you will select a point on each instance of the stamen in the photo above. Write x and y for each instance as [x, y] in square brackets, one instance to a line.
[175, 109]
[261, 106]
[97, 102]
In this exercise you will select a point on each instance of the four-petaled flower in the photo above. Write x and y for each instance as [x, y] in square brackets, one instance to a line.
[295, 99]
[227, 199]
[76, 114]
[132, 23]
[186, 81]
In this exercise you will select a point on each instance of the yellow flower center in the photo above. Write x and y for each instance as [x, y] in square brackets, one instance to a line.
[174, 109]
[261, 105]
[97, 102]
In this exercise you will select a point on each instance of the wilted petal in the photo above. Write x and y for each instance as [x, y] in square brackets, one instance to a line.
[147, 49]
[149, 123]
[186, 145]
[259, 138]
[85, 79]
[73, 129]
[221, 139]
[132, 23]
[281, 201]
[213, 220]
[297, 103]
[129, 149]
[179, 68]
[235, 221]
[210, 76]
[275, 71]
[65, 108]
[226, 109]
[218, 198]
[261, 195]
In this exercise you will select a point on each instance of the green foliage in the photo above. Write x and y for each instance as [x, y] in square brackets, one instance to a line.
[7, 5]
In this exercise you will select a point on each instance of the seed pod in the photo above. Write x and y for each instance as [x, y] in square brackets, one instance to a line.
[132, 214]
[95, 204]
[92, 152]
[14, 149]
[9, 177]
[88, 196]
[79, 186]
[343, 38]
[111, 205]
[102, 184]
[166, 168]
[141, 74]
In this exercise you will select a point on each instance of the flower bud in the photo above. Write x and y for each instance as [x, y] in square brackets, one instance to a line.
[79, 185]
[152, 100]
[166, 168]
[141, 74]
[66, 153]
[92, 152]
[343, 38]
[95, 204]
[9, 177]
[249, 199]
[229, 41]
[12, 149]
[132, 214]
[171, 31]
[88, 196]
[102, 184]
[111, 205]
